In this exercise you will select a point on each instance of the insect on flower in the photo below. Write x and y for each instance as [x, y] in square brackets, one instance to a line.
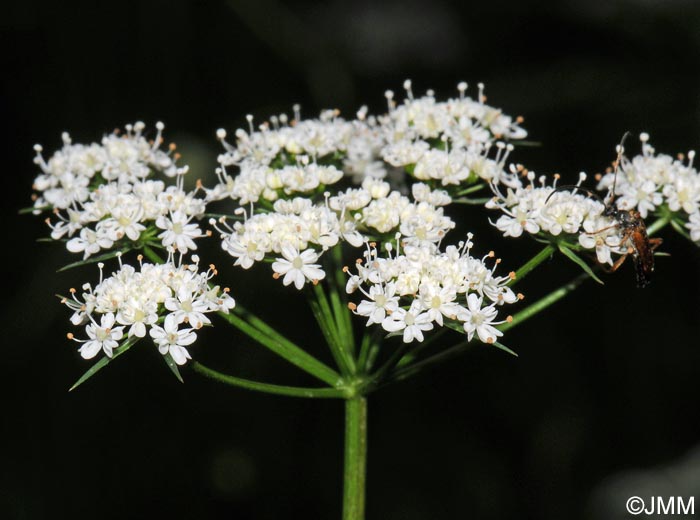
[633, 231]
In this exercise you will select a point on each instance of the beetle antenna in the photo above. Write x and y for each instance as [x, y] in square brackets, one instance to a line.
[575, 187]
[620, 151]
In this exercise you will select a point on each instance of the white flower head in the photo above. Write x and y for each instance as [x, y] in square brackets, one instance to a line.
[103, 337]
[480, 319]
[139, 297]
[298, 268]
[413, 322]
[107, 192]
[172, 340]
[414, 290]
[178, 233]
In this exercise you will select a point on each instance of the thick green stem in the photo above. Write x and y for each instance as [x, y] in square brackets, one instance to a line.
[536, 260]
[291, 391]
[355, 471]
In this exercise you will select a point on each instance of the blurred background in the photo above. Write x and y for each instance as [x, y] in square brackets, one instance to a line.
[601, 404]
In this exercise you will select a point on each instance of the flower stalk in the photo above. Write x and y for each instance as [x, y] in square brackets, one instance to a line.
[543, 303]
[289, 391]
[355, 466]
[531, 264]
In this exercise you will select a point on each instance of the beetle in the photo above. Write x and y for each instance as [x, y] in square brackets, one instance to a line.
[633, 231]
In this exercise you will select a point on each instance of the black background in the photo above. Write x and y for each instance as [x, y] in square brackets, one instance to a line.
[600, 405]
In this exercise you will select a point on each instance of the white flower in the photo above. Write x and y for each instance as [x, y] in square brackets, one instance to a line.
[480, 320]
[173, 341]
[104, 337]
[642, 196]
[439, 302]
[247, 248]
[138, 314]
[298, 267]
[602, 234]
[187, 307]
[178, 233]
[694, 226]
[382, 300]
[513, 224]
[125, 220]
[413, 322]
[89, 242]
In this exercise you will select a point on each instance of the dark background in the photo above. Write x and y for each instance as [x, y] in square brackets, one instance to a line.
[600, 405]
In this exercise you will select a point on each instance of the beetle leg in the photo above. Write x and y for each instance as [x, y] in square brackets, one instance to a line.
[618, 263]
[601, 230]
[655, 242]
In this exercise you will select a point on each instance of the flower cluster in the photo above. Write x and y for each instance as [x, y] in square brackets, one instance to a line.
[300, 230]
[417, 286]
[298, 157]
[168, 301]
[448, 143]
[539, 209]
[651, 180]
[103, 193]
[309, 185]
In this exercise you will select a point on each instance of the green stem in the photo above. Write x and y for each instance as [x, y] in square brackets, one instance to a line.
[471, 189]
[409, 370]
[393, 360]
[543, 303]
[343, 314]
[405, 371]
[332, 331]
[291, 391]
[372, 356]
[285, 349]
[152, 255]
[657, 225]
[367, 340]
[408, 358]
[355, 467]
[536, 260]
[471, 202]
